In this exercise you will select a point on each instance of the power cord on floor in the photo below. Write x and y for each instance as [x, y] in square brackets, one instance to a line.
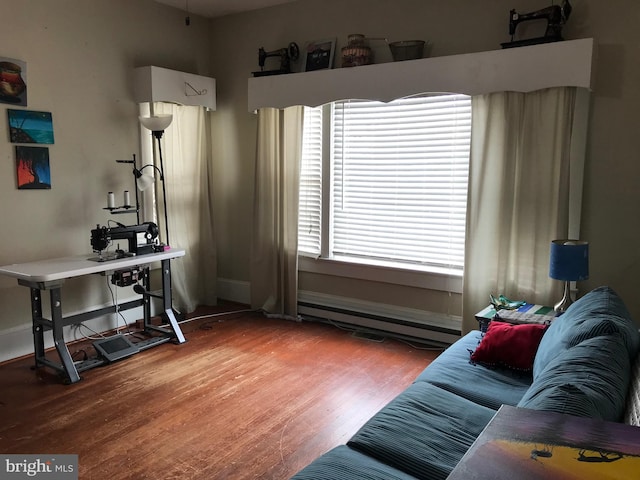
[400, 339]
[209, 325]
[432, 349]
[85, 356]
[78, 329]
[114, 300]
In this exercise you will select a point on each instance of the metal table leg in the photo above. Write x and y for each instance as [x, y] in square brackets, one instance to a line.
[167, 304]
[38, 330]
[174, 332]
[58, 336]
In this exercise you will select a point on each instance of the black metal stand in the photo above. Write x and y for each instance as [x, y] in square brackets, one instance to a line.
[58, 321]
[129, 208]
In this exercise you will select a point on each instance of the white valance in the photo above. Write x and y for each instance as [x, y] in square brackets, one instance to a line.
[523, 69]
[156, 84]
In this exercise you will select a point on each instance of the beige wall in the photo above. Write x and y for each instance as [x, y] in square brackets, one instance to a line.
[457, 26]
[80, 57]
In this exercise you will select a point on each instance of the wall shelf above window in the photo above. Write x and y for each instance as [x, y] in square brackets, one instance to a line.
[560, 64]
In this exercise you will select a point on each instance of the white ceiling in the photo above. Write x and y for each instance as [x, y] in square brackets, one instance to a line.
[219, 8]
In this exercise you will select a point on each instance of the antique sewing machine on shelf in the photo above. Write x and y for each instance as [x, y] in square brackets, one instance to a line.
[286, 55]
[555, 15]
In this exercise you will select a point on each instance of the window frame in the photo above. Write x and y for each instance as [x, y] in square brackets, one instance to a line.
[406, 274]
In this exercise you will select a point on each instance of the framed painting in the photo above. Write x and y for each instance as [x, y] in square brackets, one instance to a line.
[319, 55]
[32, 168]
[532, 444]
[13, 81]
[26, 126]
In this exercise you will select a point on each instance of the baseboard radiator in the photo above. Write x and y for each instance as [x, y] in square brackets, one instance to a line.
[383, 319]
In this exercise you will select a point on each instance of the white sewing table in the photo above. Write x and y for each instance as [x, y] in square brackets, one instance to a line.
[51, 274]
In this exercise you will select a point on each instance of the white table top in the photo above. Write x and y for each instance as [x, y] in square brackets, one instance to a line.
[78, 265]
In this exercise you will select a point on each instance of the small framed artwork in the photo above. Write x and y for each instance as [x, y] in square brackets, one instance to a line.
[13, 81]
[32, 168]
[26, 126]
[319, 55]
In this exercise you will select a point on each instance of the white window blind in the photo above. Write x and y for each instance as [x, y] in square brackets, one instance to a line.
[401, 172]
[310, 203]
[399, 180]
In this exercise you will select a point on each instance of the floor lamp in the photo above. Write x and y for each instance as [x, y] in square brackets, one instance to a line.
[157, 124]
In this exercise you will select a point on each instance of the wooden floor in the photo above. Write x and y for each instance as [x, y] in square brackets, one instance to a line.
[244, 397]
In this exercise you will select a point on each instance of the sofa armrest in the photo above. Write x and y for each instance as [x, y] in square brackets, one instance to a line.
[632, 407]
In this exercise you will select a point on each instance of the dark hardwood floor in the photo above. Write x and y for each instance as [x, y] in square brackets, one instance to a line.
[244, 397]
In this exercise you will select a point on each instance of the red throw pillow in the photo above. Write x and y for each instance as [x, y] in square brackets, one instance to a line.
[512, 346]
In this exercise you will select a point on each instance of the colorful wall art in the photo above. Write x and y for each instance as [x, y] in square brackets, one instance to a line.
[26, 126]
[527, 444]
[32, 168]
[13, 81]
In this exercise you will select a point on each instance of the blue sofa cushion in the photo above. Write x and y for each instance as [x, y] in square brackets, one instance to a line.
[344, 463]
[599, 312]
[588, 380]
[490, 387]
[424, 431]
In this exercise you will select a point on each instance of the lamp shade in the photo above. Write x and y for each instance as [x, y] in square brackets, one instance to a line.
[156, 123]
[569, 260]
[143, 182]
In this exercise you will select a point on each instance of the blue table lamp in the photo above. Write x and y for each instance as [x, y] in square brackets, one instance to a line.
[569, 262]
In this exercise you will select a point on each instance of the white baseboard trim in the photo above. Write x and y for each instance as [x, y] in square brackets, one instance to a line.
[393, 319]
[18, 341]
[234, 290]
[401, 321]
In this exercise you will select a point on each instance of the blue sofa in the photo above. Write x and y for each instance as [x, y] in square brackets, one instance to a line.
[582, 366]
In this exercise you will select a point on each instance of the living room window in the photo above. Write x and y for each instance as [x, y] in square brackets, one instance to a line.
[386, 183]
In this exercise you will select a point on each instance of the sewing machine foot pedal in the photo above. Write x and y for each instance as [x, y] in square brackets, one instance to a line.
[115, 347]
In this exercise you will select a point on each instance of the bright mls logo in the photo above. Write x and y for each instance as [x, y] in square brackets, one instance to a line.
[51, 467]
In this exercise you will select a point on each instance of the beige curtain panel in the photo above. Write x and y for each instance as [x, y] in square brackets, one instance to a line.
[518, 198]
[274, 254]
[186, 153]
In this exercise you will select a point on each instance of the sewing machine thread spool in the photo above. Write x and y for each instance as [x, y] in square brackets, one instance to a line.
[111, 200]
[127, 198]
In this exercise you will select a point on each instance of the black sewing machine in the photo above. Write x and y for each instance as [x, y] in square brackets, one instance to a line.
[555, 15]
[286, 55]
[140, 240]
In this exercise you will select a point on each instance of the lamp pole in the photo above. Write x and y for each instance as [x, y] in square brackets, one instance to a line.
[157, 124]
[158, 135]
